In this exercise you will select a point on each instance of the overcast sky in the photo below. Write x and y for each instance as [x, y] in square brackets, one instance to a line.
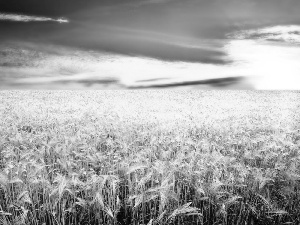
[170, 30]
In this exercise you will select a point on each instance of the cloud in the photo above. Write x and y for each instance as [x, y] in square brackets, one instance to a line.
[289, 34]
[26, 18]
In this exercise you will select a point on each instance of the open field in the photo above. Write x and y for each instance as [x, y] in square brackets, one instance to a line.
[145, 157]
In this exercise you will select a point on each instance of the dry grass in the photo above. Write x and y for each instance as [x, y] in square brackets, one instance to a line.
[142, 157]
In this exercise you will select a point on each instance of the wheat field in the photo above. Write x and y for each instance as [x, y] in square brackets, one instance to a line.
[149, 157]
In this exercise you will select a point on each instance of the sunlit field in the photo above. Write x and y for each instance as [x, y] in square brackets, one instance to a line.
[145, 157]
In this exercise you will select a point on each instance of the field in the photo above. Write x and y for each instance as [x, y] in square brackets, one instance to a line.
[149, 157]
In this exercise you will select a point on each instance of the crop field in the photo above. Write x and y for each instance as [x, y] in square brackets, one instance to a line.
[149, 157]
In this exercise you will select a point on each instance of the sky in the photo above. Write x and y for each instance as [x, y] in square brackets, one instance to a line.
[145, 43]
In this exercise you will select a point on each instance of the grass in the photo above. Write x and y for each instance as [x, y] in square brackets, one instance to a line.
[145, 157]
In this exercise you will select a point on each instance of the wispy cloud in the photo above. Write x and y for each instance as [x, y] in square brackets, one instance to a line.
[26, 18]
[289, 34]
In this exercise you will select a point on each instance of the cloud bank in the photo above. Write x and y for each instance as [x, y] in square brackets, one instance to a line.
[288, 34]
[26, 18]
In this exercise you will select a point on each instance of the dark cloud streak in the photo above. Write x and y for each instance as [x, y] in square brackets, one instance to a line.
[220, 82]
[144, 47]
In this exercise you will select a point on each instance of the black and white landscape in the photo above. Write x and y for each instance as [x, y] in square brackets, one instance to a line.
[149, 112]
